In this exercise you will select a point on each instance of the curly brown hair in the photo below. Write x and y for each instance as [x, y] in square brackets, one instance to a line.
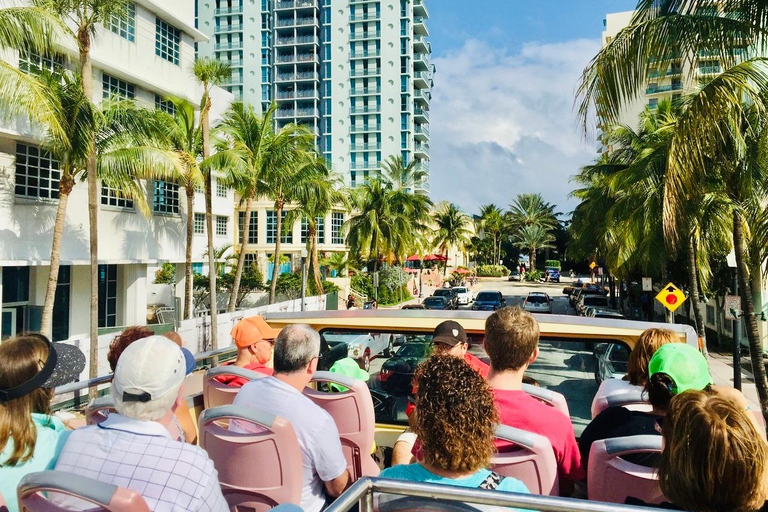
[122, 341]
[647, 344]
[455, 415]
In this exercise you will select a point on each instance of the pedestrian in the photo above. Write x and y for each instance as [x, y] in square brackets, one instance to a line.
[350, 301]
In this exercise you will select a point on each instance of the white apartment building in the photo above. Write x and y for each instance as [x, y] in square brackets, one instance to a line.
[356, 72]
[146, 55]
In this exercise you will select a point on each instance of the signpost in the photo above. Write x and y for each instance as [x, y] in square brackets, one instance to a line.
[647, 284]
[671, 297]
[732, 305]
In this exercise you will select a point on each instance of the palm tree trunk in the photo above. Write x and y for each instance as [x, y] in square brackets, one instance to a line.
[748, 308]
[188, 279]
[532, 250]
[314, 260]
[65, 188]
[276, 257]
[445, 262]
[693, 279]
[206, 133]
[241, 256]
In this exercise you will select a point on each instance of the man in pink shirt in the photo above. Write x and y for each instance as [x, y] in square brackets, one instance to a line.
[254, 339]
[512, 344]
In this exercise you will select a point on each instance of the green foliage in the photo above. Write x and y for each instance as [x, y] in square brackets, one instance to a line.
[166, 274]
[492, 271]
[393, 287]
[362, 284]
[534, 275]
[289, 286]
[250, 281]
[553, 264]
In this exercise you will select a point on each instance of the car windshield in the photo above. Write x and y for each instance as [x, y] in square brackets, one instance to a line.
[537, 299]
[596, 301]
[490, 296]
[413, 350]
[443, 292]
[460, 290]
[433, 301]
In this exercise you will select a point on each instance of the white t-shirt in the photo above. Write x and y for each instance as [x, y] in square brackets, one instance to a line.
[315, 429]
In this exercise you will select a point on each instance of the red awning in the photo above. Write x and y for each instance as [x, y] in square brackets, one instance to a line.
[435, 257]
[463, 271]
[415, 257]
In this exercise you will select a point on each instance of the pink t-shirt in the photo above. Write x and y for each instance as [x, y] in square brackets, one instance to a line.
[520, 410]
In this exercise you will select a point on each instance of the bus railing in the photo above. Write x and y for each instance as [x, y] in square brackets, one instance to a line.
[361, 493]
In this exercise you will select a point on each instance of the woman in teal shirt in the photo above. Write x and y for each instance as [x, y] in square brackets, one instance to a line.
[30, 438]
[455, 420]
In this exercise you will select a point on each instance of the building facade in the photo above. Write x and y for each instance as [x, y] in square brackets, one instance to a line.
[146, 54]
[357, 73]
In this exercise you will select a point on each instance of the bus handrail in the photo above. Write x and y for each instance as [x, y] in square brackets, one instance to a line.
[362, 492]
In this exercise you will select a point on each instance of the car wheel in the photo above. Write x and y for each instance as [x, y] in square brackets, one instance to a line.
[365, 362]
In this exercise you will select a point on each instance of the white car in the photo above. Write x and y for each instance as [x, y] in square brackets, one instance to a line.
[538, 302]
[464, 295]
[364, 347]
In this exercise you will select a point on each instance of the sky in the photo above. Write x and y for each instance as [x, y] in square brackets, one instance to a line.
[502, 116]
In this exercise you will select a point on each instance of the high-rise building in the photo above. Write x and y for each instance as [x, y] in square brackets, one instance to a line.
[356, 72]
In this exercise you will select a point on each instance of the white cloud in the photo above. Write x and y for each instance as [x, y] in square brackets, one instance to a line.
[503, 123]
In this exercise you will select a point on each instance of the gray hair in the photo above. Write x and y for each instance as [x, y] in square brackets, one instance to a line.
[295, 347]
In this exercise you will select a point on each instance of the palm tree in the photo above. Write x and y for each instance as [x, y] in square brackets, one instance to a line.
[405, 178]
[533, 238]
[338, 262]
[531, 211]
[452, 230]
[209, 73]
[492, 221]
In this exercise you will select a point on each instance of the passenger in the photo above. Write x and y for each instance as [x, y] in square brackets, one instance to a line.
[674, 368]
[188, 356]
[296, 354]
[455, 422]
[183, 426]
[255, 340]
[30, 437]
[647, 345]
[512, 343]
[133, 447]
[714, 459]
[449, 337]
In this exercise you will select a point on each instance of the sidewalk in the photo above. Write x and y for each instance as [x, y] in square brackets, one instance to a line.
[721, 369]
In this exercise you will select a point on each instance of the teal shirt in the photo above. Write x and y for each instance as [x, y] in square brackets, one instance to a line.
[51, 435]
[418, 473]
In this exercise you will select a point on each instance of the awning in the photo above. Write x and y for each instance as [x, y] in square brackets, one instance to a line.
[415, 257]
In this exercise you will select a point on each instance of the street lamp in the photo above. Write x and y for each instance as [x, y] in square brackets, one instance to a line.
[731, 260]
[303, 278]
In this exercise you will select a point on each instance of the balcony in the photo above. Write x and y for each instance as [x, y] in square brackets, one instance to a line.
[421, 61]
[297, 77]
[365, 128]
[228, 11]
[298, 4]
[223, 29]
[298, 94]
[421, 149]
[421, 132]
[422, 79]
[710, 70]
[423, 96]
[365, 72]
[300, 112]
[285, 41]
[657, 89]
[421, 113]
[359, 36]
[228, 46]
[365, 55]
[423, 165]
[299, 57]
[366, 110]
[298, 22]
[363, 166]
[365, 17]
[420, 8]
[363, 91]
[365, 147]
[420, 25]
[421, 45]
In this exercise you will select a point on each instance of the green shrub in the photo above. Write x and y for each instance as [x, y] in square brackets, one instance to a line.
[533, 275]
[492, 271]
[390, 291]
[552, 264]
[166, 274]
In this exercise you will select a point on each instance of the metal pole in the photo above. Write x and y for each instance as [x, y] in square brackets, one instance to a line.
[303, 281]
[421, 283]
[736, 337]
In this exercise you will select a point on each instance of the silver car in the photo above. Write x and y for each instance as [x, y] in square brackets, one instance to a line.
[538, 302]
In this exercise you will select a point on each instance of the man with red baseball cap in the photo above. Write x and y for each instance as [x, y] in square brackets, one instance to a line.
[254, 339]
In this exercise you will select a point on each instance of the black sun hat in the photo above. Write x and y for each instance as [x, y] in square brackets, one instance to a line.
[63, 365]
[450, 333]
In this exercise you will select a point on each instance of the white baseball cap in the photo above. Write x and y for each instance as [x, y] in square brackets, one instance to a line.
[149, 369]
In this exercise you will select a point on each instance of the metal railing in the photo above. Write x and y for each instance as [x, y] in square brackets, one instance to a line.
[361, 493]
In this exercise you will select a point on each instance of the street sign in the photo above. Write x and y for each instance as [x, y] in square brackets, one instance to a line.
[592, 265]
[375, 279]
[600, 271]
[647, 284]
[732, 303]
[671, 297]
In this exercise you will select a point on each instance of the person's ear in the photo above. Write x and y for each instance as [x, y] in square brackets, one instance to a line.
[534, 356]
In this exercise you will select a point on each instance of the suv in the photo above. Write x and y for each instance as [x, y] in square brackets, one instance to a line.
[537, 302]
[586, 300]
[463, 295]
[489, 301]
[449, 295]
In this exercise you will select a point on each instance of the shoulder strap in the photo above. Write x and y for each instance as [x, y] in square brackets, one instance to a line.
[492, 481]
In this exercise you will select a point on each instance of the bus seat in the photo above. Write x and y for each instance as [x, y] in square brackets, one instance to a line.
[36, 490]
[617, 392]
[98, 409]
[216, 393]
[533, 462]
[553, 398]
[264, 444]
[611, 478]
[3, 504]
[352, 410]
[413, 504]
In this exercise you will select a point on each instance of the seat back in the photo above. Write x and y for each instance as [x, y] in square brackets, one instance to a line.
[98, 409]
[258, 457]
[617, 392]
[533, 462]
[414, 504]
[548, 396]
[217, 393]
[352, 410]
[3, 504]
[611, 478]
[37, 491]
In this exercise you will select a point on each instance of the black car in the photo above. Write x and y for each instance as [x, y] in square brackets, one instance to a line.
[449, 295]
[436, 303]
[488, 301]
[396, 374]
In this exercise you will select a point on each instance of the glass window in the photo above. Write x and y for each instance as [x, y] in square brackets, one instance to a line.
[167, 39]
[221, 189]
[111, 197]
[111, 86]
[221, 225]
[286, 238]
[165, 105]
[320, 230]
[199, 223]
[337, 220]
[35, 64]
[197, 268]
[166, 197]
[107, 295]
[253, 227]
[123, 22]
[37, 174]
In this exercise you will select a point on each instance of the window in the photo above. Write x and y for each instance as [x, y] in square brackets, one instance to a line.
[199, 223]
[107, 295]
[251, 259]
[197, 268]
[221, 225]
[221, 189]
[272, 229]
[35, 64]
[166, 197]
[37, 174]
[710, 314]
[253, 227]
[111, 86]
[123, 22]
[167, 39]
[337, 220]
[320, 227]
[166, 106]
[110, 197]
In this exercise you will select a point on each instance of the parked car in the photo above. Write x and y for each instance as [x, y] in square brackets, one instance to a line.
[612, 361]
[570, 290]
[537, 302]
[515, 276]
[488, 301]
[396, 374]
[553, 276]
[591, 299]
[436, 303]
[449, 295]
[587, 288]
[464, 296]
[364, 347]
[605, 313]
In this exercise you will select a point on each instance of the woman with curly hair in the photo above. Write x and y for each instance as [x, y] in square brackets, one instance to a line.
[455, 420]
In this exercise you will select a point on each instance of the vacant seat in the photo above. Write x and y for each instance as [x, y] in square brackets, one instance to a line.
[352, 410]
[533, 462]
[258, 458]
[37, 493]
[617, 392]
[611, 478]
[98, 409]
[548, 396]
[216, 393]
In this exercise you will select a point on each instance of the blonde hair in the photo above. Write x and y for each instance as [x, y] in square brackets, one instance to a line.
[647, 344]
[713, 460]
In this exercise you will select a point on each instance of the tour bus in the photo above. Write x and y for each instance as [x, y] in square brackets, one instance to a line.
[371, 416]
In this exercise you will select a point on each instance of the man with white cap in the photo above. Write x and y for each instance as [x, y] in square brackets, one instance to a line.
[132, 448]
